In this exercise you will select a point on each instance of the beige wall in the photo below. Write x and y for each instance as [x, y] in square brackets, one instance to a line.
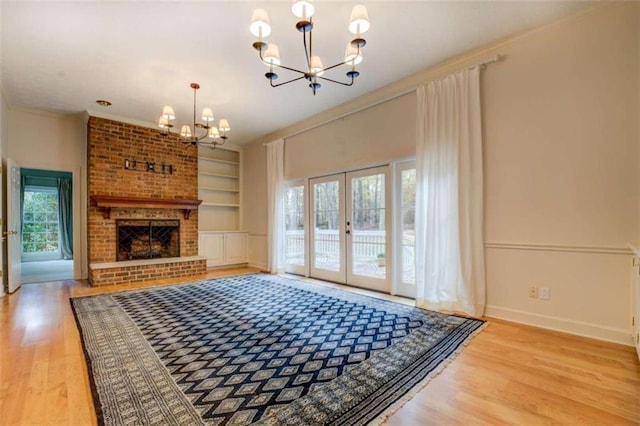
[254, 202]
[381, 133]
[561, 169]
[561, 144]
[42, 140]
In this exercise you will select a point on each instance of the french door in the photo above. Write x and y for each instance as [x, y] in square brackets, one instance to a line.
[350, 223]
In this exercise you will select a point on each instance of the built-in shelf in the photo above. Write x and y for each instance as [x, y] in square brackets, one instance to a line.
[219, 186]
[214, 160]
[107, 202]
[208, 188]
[219, 175]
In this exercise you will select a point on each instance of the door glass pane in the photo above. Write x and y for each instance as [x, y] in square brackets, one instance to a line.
[327, 225]
[294, 226]
[368, 257]
[408, 226]
[40, 221]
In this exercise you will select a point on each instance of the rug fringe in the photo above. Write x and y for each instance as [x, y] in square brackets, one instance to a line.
[422, 384]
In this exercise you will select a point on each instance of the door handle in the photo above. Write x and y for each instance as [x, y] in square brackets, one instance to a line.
[10, 233]
[348, 232]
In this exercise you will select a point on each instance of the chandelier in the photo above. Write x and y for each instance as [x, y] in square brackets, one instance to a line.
[212, 137]
[304, 9]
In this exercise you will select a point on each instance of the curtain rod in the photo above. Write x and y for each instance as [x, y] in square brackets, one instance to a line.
[483, 63]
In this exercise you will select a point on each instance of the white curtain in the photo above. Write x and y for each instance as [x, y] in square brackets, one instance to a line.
[275, 215]
[450, 271]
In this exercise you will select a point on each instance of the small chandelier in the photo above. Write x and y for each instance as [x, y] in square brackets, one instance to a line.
[213, 136]
[304, 9]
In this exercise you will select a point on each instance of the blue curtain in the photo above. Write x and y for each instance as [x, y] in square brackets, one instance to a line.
[65, 217]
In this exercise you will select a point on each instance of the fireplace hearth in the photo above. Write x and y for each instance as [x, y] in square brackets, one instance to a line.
[147, 239]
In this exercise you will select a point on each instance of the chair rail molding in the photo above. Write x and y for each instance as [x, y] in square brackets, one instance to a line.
[626, 251]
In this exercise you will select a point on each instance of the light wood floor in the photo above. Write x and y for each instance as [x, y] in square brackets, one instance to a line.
[509, 374]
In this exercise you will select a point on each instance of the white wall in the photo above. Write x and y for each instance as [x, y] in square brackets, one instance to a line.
[43, 140]
[561, 144]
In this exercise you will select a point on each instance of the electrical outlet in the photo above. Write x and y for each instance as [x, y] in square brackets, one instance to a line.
[545, 293]
[533, 292]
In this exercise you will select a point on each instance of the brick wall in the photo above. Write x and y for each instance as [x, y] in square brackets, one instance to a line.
[109, 143]
[144, 273]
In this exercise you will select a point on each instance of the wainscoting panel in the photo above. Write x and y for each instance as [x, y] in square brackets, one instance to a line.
[589, 288]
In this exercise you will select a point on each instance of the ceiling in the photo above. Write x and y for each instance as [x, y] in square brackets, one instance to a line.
[142, 55]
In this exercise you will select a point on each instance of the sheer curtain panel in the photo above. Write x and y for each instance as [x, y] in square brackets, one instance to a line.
[450, 272]
[275, 188]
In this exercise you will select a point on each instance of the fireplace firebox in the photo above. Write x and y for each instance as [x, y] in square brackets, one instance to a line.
[147, 239]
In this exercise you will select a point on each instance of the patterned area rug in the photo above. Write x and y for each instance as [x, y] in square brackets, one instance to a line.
[258, 349]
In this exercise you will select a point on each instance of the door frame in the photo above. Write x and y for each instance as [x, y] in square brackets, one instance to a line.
[79, 205]
[13, 232]
[338, 276]
[368, 282]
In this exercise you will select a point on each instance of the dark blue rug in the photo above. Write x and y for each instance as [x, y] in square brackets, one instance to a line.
[257, 349]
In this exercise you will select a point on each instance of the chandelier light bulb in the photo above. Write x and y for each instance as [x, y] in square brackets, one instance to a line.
[163, 123]
[303, 8]
[260, 26]
[351, 55]
[207, 115]
[316, 67]
[224, 125]
[167, 112]
[213, 132]
[359, 22]
[185, 131]
[271, 55]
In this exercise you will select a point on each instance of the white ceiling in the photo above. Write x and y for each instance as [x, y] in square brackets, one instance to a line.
[141, 55]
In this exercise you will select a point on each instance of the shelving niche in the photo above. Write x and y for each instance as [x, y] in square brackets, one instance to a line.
[221, 239]
[219, 189]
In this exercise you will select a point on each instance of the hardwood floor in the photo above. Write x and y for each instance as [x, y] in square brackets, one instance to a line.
[509, 373]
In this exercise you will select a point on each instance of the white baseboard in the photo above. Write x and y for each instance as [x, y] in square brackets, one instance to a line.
[580, 328]
[261, 266]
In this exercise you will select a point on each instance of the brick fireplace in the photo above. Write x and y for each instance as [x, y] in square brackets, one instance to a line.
[135, 174]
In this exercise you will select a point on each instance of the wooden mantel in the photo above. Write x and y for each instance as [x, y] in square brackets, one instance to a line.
[107, 202]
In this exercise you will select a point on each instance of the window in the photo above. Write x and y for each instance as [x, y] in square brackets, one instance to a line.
[405, 236]
[294, 225]
[40, 236]
[408, 212]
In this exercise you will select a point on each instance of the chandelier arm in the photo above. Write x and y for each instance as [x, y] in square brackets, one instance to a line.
[306, 50]
[338, 82]
[198, 139]
[290, 69]
[334, 66]
[286, 82]
[282, 66]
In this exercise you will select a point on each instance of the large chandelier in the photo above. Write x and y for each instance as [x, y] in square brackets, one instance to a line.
[304, 9]
[212, 137]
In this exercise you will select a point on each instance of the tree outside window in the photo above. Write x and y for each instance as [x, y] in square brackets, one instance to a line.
[40, 221]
